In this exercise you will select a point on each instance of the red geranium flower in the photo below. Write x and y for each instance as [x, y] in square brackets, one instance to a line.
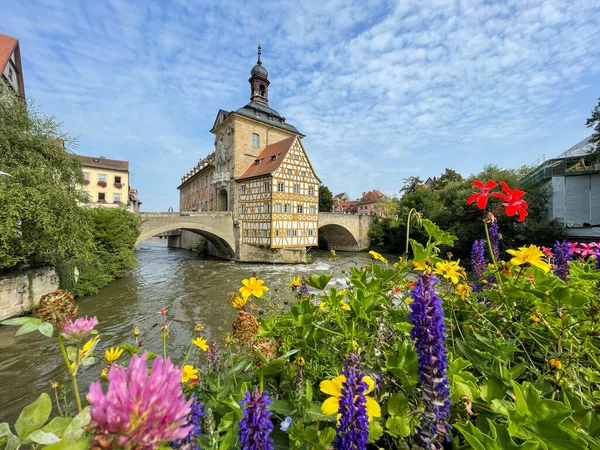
[482, 197]
[512, 201]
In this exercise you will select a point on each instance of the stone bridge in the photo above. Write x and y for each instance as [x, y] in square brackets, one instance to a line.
[343, 232]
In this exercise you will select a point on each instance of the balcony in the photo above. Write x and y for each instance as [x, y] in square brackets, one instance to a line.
[221, 177]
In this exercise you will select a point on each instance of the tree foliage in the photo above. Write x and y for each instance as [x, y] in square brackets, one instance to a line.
[445, 204]
[41, 221]
[325, 199]
[594, 122]
[115, 231]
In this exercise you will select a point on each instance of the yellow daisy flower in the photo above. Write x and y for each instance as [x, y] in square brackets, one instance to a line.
[112, 354]
[423, 266]
[200, 342]
[377, 257]
[253, 286]
[463, 290]
[239, 302]
[529, 255]
[295, 282]
[300, 361]
[188, 373]
[450, 270]
[333, 388]
[555, 364]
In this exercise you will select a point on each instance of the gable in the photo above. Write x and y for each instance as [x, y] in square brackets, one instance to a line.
[297, 157]
[222, 116]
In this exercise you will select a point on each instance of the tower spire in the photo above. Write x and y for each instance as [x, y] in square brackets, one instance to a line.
[259, 81]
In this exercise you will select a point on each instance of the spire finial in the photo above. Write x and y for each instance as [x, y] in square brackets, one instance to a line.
[259, 62]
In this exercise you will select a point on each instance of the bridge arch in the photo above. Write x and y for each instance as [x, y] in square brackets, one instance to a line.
[339, 237]
[217, 234]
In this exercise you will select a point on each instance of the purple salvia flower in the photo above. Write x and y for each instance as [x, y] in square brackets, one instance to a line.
[495, 239]
[428, 331]
[255, 427]
[303, 289]
[352, 432]
[598, 258]
[478, 259]
[213, 356]
[190, 442]
[139, 410]
[562, 256]
[75, 331]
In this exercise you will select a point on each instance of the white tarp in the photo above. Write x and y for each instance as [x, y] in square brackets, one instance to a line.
[576, 199]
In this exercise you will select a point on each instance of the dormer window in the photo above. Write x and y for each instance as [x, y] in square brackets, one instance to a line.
[273, 158]
[257, 162]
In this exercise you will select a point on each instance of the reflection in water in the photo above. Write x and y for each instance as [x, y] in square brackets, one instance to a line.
[191, 288]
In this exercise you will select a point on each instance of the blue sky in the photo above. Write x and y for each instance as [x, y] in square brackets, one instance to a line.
[383, 90]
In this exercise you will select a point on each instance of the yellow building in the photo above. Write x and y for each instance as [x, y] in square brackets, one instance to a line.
[107, 182]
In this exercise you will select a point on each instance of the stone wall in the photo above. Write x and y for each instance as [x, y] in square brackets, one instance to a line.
[253, 253]
[20, 292]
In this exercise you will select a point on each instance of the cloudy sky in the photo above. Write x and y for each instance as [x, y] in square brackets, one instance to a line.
[383, 90]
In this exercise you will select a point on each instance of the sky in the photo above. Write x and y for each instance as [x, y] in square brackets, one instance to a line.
[382, 90]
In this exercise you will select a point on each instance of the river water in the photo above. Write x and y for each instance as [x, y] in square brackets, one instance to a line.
[191, 287]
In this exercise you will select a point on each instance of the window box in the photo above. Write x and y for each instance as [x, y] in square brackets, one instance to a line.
[103, 201]
[118, 185]
[117, 202]
[86, 182]
[102, 183]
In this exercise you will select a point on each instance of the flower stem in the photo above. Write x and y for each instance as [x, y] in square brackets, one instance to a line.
[489, 242]
[408, 228]
[61, 344]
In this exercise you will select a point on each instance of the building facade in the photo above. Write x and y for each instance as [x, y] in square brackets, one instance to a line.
[260, 172]
[365, 204]
[196, 192]
[11, 68]
[106, 181]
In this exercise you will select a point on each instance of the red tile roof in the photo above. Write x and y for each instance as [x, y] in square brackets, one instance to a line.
[104, 163]
[265, 164]
[7, 47]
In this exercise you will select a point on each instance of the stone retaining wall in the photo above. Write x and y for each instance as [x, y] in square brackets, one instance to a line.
[20, 292]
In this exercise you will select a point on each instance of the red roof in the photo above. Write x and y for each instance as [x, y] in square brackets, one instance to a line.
[7, 47]
[269, 159]
[104, 163]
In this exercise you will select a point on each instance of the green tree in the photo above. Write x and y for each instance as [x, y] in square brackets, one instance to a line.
[41, 221]
[447, 207]
[449, 176]
[115, 232]
[325, 199]
[594, 122]
[411, 184]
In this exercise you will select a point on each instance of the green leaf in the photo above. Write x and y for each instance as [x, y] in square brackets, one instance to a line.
[33, 416]
[314, 414]
[77, 426]
[57, 425]
[79, 444]
[46, 329]
[21, 321]
[319, 281]
[326, 436]
[72, 353]
[398, 426]
[12, 441]
[375, 431]
[283, 407]
[499, 439]
[27, 328]
[419, 253]
[397, 404]
[88, 361]
[41, 437]
[492, 389]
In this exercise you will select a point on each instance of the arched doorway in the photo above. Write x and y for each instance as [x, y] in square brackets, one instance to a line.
[222, 203]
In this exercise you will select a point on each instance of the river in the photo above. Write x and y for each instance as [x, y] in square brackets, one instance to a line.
[191, 287]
